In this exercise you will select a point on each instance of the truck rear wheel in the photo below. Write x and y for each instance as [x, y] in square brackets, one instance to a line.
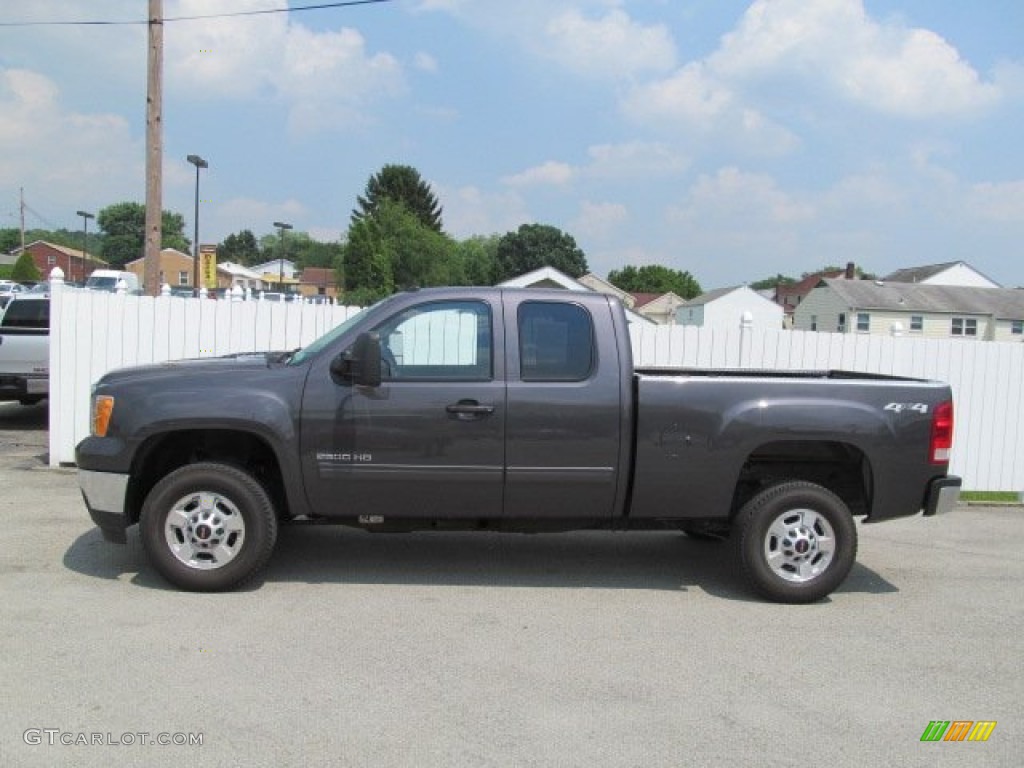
[796, 542]
[208, 527]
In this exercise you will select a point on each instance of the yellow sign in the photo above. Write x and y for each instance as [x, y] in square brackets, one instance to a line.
[208, 266]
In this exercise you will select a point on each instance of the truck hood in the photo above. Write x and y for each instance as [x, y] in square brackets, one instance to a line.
[198, 367]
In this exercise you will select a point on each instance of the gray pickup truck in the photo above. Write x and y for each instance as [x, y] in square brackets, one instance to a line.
[507, 410]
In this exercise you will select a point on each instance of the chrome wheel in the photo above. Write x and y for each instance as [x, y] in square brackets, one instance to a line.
[204, 530]
[799, 545]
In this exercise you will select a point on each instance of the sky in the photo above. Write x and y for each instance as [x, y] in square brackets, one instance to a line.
[733, 139]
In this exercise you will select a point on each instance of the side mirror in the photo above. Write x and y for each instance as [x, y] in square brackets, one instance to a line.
[360, 364]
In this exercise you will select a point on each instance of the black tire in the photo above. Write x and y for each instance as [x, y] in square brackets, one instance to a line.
[208, 527]
[796, 542]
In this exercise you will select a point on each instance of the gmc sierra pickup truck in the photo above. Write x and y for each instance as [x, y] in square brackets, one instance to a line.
[506, 410]
[25, 348]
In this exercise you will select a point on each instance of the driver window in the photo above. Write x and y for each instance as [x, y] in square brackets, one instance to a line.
[440, 341]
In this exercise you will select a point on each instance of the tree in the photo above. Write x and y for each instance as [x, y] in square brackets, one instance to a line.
[654, 278]
[25, 269]
[400, 184]
[479, 259]
[393, 249]
[124, 228]
[534, 246]
[240, 249]
[772, 282]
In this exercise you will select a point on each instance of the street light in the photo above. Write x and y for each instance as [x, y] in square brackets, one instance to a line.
[85, 243]
[280, 259]
[198, 162]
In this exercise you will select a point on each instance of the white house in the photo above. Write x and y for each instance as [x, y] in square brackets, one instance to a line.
[549, 277]
[236, 274]
[725, 307]
[951, 273]
[913, 309]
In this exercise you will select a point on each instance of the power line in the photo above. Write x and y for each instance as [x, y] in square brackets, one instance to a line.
[317, 7]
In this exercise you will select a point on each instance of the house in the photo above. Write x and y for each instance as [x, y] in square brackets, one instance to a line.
[726, 307]
[913, 309]
[280, 273]
[230, 274]
[659, 308]
[789, 296]
[951, 273]
[176, 268]
[549, 277]
[75, 263]
[318, 281]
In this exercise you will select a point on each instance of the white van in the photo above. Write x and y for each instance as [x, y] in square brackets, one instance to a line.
[107, 280]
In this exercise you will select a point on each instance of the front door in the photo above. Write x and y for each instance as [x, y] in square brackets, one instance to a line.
[429, 441]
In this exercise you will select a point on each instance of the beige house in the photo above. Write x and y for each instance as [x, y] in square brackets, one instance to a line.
[176, 268]
[913, 309]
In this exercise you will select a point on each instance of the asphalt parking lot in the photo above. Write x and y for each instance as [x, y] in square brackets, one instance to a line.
[587, 649]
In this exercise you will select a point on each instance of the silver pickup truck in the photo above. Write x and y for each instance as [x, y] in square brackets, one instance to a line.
[507, 410]
[25, 349]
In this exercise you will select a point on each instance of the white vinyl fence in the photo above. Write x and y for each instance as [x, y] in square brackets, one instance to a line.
[92, 333]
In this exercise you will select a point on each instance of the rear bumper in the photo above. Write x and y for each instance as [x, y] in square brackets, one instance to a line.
[942, 495]
[104, 494]
[15, 387]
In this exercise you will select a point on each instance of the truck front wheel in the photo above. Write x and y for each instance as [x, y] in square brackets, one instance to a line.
[208, 527]
[796, 542]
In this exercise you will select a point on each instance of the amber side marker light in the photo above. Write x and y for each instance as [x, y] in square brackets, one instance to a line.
[102, 408]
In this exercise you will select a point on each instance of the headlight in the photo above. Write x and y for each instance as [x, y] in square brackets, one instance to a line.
[102, 409]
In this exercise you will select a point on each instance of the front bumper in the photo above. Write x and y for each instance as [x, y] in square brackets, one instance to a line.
[942, 495]
[104, 494]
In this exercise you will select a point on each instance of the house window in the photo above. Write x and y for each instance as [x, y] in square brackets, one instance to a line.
[841, 325]
[183, 277]
[863, 322]
[1017, 327]
[916, 323]
[814, 322]
[964, 326]
[51, 260]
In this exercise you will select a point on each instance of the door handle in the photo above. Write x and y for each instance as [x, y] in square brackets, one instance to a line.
[469, 408]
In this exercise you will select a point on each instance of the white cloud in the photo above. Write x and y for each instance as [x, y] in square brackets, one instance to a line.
[636, 159]
[468, 211]
[327, 79]
[743, 200]
[599, 220]
[425, 62]
[889, 68]
[550, 173]
[1001, 202]
[64, 158]
[613, 46]
[238, 213]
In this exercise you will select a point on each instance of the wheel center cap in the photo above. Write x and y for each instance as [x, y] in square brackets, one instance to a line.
[203, 532]
[802, 546]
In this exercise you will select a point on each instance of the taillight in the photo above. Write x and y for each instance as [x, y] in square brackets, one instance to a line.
[942, 433]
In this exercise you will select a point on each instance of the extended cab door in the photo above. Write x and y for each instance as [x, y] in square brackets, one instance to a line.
[429, 441]
[566, 451]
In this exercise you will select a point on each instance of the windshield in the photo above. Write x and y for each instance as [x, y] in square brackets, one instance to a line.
[306, 353]
[105, 283]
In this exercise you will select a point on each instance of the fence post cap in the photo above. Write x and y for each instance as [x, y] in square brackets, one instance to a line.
[165, 290]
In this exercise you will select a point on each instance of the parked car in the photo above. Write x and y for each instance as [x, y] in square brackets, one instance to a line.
[9, 289]
[107, 280]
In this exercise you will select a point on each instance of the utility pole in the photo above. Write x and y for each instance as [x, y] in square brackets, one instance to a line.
[154, 148]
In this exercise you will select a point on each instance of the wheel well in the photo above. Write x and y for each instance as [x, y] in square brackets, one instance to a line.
[840, 467]
[164, 453]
